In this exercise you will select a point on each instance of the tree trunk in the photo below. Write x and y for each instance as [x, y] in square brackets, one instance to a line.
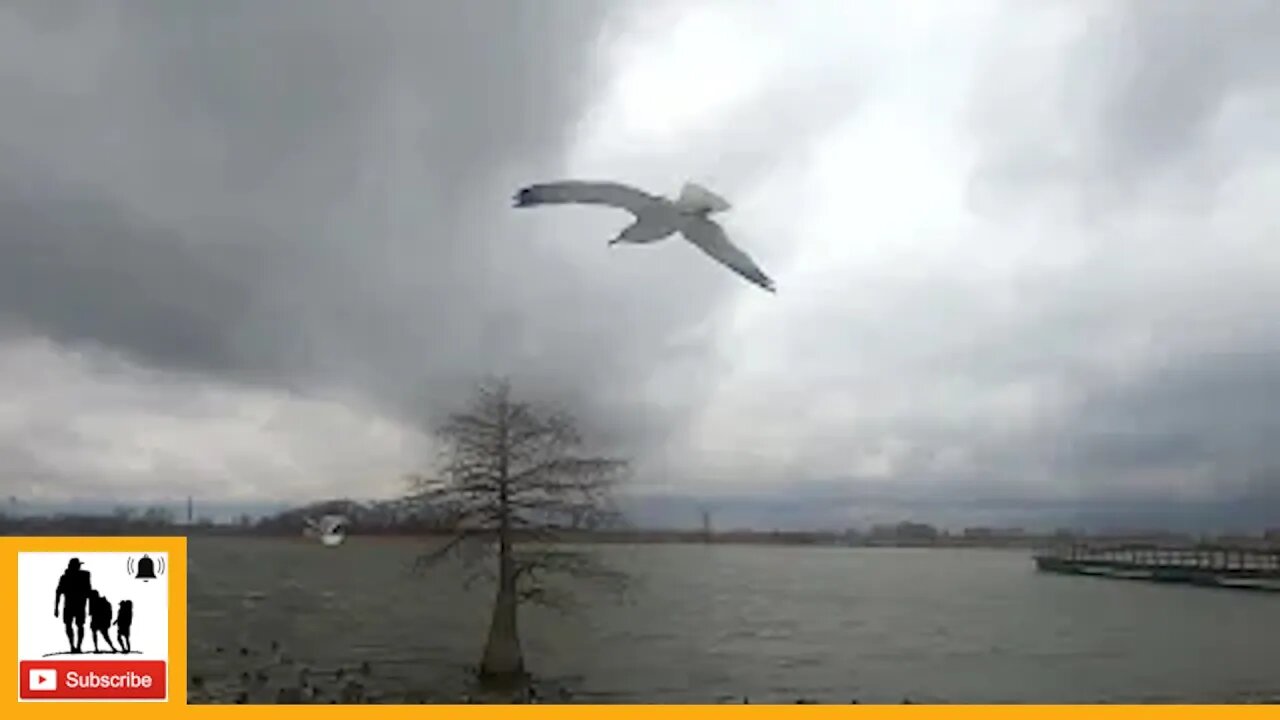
[503, 662]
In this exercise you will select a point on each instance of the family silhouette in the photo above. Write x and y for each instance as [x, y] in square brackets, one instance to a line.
[78, 601]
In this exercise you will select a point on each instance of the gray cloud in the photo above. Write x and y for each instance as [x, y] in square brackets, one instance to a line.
[315, 197]
[260, 206]
[1158, 119]
[1131, 104]
[238, 193]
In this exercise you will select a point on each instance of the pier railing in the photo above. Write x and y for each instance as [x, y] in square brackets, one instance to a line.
[1208, 557]
[1243, 568]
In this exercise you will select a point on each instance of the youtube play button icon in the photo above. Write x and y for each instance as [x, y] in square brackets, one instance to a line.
[42, 679]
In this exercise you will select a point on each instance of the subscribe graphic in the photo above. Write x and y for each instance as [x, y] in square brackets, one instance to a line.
[93, 680]
[104, 636]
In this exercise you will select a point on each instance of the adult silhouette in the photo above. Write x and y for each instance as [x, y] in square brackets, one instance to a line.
[100, 619]
[73, 594]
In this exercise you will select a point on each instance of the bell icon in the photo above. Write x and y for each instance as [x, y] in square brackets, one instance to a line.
[146, 569]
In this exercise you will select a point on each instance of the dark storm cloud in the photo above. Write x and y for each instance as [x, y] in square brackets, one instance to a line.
[1212, 411]
[79, 266]
[312, 193]
[316, 197]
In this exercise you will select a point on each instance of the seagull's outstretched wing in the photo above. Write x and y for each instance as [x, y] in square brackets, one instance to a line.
[586, 193]
[709, 236]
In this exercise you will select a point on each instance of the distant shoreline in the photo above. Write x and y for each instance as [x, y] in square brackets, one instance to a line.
[654, 539]
[88, 527]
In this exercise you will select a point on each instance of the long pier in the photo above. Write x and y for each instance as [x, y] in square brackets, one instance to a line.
[1239, 568]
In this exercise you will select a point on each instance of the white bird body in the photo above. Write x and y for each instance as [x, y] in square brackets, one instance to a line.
[656, 218]
[695, 198]
[331, 530]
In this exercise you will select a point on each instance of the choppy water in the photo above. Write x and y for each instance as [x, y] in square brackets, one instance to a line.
[717, 623]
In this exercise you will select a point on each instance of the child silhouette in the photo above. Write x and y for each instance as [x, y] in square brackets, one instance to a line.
[100, 619]
[124, 619]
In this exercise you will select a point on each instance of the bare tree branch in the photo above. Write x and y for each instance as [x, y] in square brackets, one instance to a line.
[512, 475]
[441, 552]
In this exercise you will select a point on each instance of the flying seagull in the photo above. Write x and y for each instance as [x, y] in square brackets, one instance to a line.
[330, 529]
[657, 218]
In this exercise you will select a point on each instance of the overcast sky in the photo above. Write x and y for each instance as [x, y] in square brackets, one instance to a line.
[1023, 250]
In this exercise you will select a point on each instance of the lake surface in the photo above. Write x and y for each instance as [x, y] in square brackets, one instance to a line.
[715, 623]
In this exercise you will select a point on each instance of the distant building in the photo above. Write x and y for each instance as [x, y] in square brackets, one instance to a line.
[916, 531]
[984, 533]
[904, 532]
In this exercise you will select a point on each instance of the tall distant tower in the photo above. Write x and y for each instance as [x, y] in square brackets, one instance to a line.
[706, 525]
[190, 511]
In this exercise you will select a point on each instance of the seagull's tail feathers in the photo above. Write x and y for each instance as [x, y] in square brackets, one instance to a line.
[697, 198]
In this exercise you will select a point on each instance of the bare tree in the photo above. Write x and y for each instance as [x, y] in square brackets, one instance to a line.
[512, 480]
